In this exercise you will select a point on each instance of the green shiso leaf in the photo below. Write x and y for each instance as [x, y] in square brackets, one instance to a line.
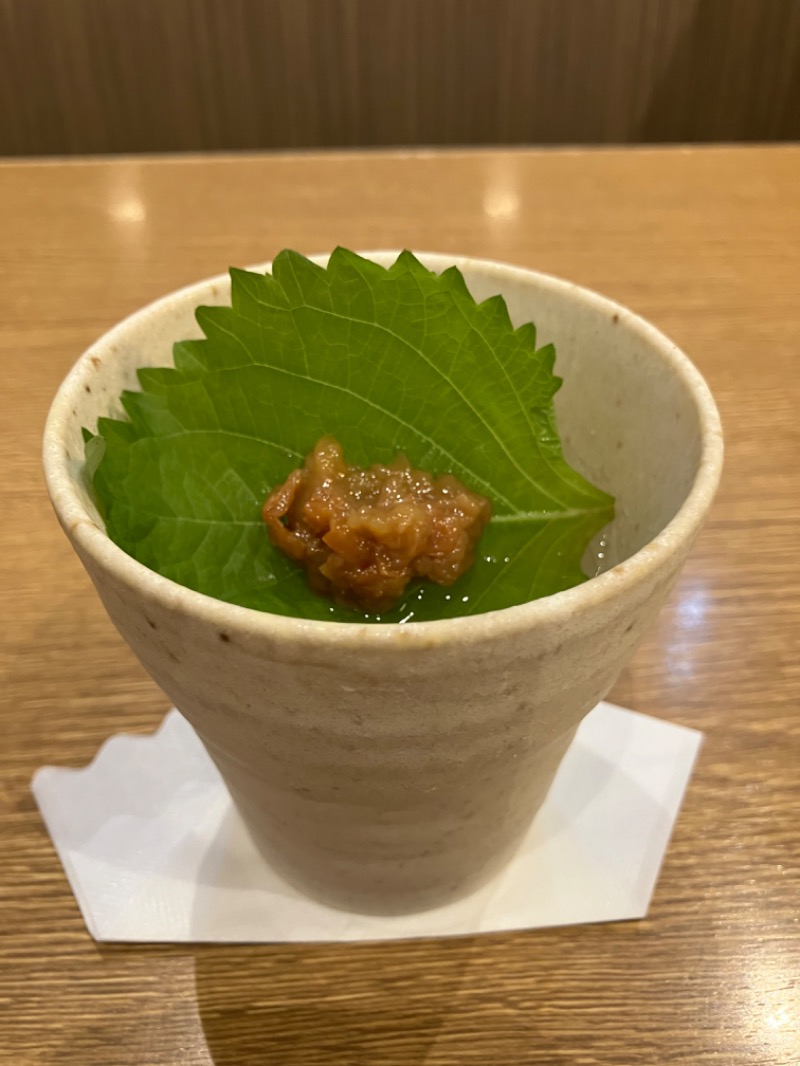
[385, 360]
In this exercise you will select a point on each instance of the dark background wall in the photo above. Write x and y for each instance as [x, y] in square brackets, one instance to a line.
[89, 76]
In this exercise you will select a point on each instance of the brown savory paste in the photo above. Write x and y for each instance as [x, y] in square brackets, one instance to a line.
[363, 535]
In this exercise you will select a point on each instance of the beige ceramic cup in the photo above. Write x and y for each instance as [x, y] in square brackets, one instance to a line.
[395, 767]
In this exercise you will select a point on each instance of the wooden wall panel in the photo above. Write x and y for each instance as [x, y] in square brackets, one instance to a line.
[88, 76]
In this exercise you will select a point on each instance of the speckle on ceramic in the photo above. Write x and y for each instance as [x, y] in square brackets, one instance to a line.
[391, 768]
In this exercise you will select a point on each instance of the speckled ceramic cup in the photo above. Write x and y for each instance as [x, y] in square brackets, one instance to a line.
[395, 767]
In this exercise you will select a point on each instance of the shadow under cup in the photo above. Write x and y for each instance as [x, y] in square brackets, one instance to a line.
[391, 768]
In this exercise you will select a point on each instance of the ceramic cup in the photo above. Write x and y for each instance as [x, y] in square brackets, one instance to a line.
[389, 768]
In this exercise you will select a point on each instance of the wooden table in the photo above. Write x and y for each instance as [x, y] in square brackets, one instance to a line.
[706, 243]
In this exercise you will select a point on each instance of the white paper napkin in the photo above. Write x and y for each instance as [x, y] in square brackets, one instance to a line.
[155, 851]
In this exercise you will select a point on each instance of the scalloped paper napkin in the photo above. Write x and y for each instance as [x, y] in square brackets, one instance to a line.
[155, 851]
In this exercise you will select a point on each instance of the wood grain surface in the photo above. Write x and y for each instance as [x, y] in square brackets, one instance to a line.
[706, 243]
[177, 75]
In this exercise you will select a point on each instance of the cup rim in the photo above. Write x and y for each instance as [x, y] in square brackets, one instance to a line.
[95, 543]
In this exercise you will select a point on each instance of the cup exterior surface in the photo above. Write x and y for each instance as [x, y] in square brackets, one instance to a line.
[390, 768]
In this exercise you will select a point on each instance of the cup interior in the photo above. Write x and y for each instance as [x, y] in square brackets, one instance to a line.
[634, 415]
